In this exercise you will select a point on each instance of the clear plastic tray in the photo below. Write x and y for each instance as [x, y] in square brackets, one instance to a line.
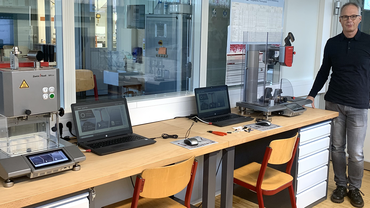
[27, 143]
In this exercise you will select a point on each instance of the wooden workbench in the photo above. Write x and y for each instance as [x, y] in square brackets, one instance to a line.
[98, 170]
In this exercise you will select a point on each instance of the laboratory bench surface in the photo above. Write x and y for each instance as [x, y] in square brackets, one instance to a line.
[98, 170]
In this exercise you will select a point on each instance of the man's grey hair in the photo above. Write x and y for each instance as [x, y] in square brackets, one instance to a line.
[353, 4]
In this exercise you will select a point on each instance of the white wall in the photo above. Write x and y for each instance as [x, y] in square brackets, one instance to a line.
[309, 21]
[304, 28]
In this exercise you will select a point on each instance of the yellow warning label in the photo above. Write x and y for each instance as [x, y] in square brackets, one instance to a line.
[24, 84]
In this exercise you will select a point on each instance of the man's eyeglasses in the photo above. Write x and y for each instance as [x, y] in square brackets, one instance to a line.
[345, 17]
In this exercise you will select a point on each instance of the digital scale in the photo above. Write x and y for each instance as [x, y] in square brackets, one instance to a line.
[29, 102]
[40, 163]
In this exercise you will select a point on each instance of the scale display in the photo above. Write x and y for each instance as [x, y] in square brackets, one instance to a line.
[294, 107]
[48, 158]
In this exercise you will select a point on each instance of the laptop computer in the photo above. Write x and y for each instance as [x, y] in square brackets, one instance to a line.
[105, 127]
[213, 106]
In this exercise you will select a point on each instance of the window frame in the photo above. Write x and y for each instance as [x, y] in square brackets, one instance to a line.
[178, 104]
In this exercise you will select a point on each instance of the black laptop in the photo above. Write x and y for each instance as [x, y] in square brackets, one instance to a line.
[105, 127]
[213, 106]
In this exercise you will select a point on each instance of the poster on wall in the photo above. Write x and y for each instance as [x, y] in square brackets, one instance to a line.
[255, 16]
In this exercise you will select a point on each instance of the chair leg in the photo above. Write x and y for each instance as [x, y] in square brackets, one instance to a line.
[95, 89]
[292, 196]
[260, 199]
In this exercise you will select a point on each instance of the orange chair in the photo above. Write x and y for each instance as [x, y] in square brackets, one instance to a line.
[86, 80]
[268, 181]
[154, 186]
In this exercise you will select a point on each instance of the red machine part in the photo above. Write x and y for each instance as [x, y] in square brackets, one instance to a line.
[288, 56]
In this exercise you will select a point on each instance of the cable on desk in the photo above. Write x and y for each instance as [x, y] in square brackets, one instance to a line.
[201, 120]
[188, 131]
[189, 116]
[195, 118]
[174, 136]
[166, 136]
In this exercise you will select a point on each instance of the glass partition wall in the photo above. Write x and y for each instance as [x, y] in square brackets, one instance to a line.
[29, 25]
[135, 47]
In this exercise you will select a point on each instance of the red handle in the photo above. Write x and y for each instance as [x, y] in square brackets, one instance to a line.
[219, 133]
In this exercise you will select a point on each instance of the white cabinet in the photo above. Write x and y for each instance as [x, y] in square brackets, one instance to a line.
[78, 201]
[312, 167]
[311, 195]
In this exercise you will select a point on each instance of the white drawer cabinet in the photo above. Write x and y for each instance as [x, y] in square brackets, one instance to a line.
[314, 147]
[307, 181]
[312, 166]
[315, 131]
[315, 193]
[312, 162]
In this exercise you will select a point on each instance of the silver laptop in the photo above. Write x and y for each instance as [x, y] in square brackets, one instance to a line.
[105, 127]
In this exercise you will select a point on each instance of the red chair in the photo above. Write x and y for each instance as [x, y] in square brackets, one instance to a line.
[268, 181]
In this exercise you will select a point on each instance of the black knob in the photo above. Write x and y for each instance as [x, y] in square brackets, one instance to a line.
[28, 112]
[54, 128]
[61, 112]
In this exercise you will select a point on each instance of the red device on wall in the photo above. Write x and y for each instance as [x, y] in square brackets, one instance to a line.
[286, 52]
[288, 55]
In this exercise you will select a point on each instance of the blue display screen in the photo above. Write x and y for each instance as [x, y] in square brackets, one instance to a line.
[48, 158]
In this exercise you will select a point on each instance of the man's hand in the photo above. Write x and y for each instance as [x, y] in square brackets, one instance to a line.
[313, 101]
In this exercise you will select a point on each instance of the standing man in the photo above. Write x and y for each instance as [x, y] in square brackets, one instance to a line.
[348, 56]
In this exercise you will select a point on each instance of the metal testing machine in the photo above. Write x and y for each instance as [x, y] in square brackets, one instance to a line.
[264, 90]
[29, 103]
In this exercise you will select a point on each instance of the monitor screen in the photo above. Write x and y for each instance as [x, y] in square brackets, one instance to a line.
[212, 101]
[48, 158]
[101, 119]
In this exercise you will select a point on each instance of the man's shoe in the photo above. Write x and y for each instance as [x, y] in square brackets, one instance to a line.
[356, 198]
[338, 194]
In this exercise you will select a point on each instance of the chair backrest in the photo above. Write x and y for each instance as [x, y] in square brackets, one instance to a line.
[167, 181]
[84, 80]
[282, 150]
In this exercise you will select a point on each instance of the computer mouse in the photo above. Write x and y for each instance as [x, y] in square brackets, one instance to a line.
[191, 141]
[263, 123]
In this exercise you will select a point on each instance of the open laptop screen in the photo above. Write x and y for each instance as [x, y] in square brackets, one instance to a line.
[212, 101]
[101, 119]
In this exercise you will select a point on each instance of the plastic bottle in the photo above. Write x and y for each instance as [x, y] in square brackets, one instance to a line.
[159, 8]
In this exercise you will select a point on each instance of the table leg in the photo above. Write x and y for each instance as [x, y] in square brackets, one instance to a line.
[227, 177]
[209, 180]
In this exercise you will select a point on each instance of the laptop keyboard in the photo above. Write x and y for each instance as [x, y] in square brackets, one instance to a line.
[223, 118]
[116, 141]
